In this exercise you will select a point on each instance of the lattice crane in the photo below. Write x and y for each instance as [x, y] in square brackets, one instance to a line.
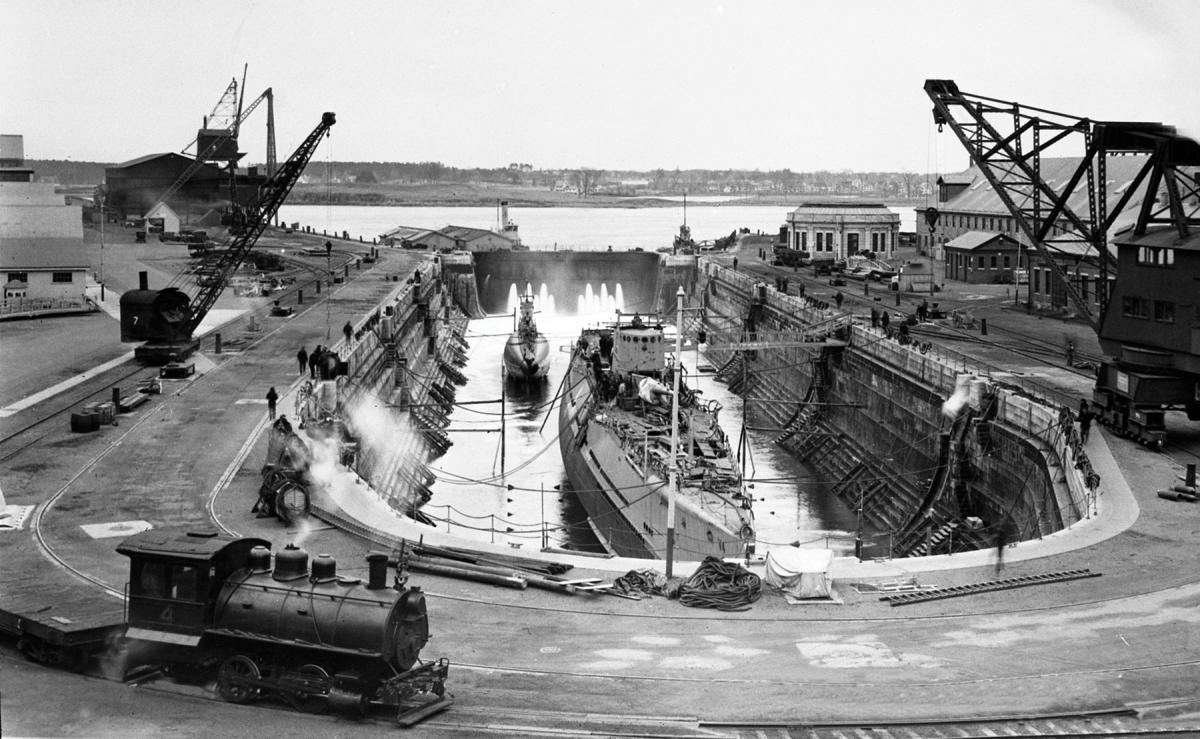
[1006, 140]
[175, 315]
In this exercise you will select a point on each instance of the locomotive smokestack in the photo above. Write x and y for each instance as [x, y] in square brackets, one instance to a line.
[377, 571]
[143, 280]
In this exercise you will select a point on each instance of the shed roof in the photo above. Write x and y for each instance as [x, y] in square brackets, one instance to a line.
[42, 254]
[468, 233]
[979, 197]
[972, 240]
[147, 158]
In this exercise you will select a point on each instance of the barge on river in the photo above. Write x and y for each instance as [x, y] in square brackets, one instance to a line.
[615, 438]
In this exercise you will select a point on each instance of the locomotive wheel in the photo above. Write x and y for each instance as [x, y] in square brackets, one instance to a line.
[291, 502]
[312, 689]
[230, 679]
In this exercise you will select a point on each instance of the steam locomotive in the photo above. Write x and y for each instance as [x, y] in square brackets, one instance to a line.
[276, 627]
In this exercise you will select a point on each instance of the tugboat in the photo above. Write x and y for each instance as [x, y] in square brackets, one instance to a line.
[684, 243]
[526, 353]
[614, 426]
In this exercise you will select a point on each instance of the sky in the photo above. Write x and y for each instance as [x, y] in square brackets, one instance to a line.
[613, 84]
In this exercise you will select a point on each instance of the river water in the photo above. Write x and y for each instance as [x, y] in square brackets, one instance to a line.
[516, 491]
[590, 229]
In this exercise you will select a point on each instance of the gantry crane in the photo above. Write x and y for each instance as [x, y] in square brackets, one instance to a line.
[1148, 322]
[166, 318]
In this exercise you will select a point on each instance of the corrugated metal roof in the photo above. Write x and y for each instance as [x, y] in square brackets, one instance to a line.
[31, 255]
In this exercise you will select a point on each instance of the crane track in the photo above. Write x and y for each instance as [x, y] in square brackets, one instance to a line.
[75, 400]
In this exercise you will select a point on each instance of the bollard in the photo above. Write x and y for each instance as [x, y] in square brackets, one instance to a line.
[983, 327]
[346, 270]
[1190, 477]
[218, 342]
[101, 292]
[318, 287]
[299, 297]
[117, 399]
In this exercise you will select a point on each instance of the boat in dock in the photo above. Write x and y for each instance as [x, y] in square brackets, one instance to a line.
[615, 439]
[527, 353]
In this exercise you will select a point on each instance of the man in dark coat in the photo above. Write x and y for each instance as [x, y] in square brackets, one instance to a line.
[302, 360]
[272, 399]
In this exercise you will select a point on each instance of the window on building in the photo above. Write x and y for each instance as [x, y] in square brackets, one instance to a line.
[804, 241]
[1007, 263]
[1037, 280]
[61, 277]
[829, 241]
[1135, 307]
[993, 261]
[820, 241]
[1155, 256]
[18, 277]
[1083, 287]
[1164, 311]
[874, 241]
[982, 262]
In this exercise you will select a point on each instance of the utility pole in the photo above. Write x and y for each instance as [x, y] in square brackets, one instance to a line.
[673, 468]
[329, 272]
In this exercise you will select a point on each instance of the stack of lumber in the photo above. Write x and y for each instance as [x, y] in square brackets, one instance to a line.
[503, 570]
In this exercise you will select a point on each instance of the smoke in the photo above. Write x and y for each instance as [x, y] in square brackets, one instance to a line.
[958, 400]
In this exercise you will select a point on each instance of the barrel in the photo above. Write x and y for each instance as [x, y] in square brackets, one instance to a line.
[106, 412]
[82, 422]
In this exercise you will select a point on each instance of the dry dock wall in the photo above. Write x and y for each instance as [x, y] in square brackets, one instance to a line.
[402, 363]
[875, 428]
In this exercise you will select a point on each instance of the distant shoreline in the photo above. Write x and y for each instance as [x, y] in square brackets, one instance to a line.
[468, 195]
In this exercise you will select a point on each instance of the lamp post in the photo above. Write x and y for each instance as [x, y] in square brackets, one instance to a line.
[673, 468]
[329, 272]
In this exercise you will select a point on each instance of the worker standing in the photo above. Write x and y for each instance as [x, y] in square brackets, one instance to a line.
[272, 399]
[1085, 421]
[347, 331]
[302, 360]
[838, 298]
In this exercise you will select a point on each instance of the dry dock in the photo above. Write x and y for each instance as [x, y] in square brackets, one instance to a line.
[1124, 640]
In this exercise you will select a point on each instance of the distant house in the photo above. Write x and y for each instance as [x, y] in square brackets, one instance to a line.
[980, 257]
[476, 239]
[162, 218]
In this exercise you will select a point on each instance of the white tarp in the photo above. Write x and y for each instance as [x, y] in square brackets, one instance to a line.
[801, 573]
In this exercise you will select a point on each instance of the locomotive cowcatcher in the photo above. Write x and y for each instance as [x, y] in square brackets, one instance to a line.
[272, 626]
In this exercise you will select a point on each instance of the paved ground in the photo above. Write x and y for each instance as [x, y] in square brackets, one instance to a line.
[193, 454]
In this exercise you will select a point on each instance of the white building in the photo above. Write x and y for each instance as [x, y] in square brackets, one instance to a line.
[834, 231]
[41, 239]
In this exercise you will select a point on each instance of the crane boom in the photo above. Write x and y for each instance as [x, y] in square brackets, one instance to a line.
[1006, 141]
[258, 216]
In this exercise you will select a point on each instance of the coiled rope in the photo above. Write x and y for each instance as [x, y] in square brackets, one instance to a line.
[725, 586]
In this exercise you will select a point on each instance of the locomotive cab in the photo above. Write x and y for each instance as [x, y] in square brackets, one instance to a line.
[173, 579]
